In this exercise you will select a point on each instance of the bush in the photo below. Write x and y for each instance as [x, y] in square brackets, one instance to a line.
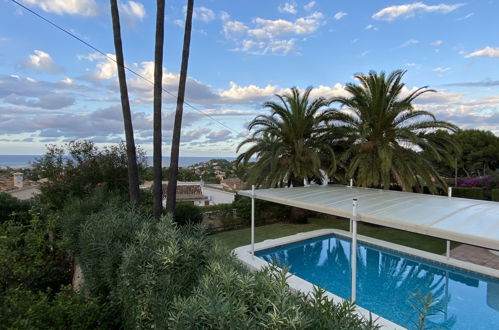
[163, 262]
[264, 210]
[472, 192]
[230, 297]
[77, 212]
[77, 168]
[23, 309]
[495, 195]
[12, 208]
[188, 213]
[103, 238]
[30, 256]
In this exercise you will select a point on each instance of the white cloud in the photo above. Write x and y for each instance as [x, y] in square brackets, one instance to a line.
[371, 27]
[485, 52]
[224, 16]
[203, 14]
[277, 36]
[105, 67]
[288, 7]
[269, 29]
[309, 6]
[437, 43]
[339, 15]
[234, 29]
[411, 64]
[41, 62]
[245, 93]
[71, 7]
[133, 10]
[409, 42]
[441, 70]
[405, 11]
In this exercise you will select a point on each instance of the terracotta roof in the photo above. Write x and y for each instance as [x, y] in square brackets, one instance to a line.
[186, 192]
[233, 183]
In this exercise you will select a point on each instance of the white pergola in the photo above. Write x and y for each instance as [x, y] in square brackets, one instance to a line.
[468, 221]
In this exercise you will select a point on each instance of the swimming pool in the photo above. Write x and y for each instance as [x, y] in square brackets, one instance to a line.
[386, 280]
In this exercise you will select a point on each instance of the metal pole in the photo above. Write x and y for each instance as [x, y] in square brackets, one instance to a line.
[447, 253]
[449, 192]
[253, 220]
[354, 251]
[351, 183]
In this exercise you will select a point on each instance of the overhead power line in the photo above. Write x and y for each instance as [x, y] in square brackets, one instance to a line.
[114, 60]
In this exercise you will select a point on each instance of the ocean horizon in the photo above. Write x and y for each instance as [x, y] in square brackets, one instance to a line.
[24, 161]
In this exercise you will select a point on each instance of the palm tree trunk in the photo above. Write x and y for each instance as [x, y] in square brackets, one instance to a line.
[298, 215]
[172, 184]
[158, 87]
[133, 173]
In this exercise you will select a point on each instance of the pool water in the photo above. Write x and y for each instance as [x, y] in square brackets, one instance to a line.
[387, 282]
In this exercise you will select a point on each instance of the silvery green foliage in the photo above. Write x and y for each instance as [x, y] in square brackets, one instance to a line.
[162, 262]
[230, 297]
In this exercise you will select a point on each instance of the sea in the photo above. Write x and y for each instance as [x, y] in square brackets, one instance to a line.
[24, 161]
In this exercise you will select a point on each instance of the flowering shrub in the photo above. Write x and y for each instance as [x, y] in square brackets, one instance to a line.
[487, 182]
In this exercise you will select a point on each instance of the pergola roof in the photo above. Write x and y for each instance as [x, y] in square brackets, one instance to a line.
[463, 220]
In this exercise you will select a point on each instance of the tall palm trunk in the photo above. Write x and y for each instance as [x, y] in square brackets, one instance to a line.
[158, 87]
[172, 184]
[133, 173]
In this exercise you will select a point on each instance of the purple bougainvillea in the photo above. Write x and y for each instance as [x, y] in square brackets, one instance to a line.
[487, 182]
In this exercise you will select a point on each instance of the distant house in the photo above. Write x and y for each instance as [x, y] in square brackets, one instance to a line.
[189, 193]
[233, 184]
[19, 187]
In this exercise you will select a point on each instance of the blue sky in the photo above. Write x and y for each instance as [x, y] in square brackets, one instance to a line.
[54, 89]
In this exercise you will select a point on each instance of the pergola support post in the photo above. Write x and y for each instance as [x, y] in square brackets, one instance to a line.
[447, 252]
[354, 251]
[253, 220]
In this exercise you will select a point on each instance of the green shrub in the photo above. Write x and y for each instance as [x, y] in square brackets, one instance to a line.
[473, 192]
[162, 263]
[103, 238]
[12, 208]
[495, 195]
[30, 256]
[264, 211]
[75, 169]
[78, 210]
[230, 297]
[23, 309]
[188, 213]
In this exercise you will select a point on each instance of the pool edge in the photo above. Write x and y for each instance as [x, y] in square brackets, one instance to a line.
[296, 283]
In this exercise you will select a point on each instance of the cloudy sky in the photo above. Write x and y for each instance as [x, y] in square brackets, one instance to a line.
[54, 89]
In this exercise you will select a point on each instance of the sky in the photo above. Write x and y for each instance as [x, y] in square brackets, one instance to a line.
[55, 89]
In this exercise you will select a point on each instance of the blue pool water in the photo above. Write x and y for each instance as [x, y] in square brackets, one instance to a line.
[386, 281]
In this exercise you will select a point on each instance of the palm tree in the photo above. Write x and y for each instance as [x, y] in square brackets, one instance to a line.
[133, 173]
[172, 184]
[384, 134]
[288, 143]
[158, 87]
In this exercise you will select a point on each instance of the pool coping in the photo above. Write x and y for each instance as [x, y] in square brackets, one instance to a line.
[296, 283]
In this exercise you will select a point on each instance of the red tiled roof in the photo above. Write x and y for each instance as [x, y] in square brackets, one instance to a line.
[186, 192]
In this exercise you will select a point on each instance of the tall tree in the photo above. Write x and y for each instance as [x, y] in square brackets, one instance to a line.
[158, 88]
[384, 134]
[172, 184]
[289, 143]
[133, 172]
